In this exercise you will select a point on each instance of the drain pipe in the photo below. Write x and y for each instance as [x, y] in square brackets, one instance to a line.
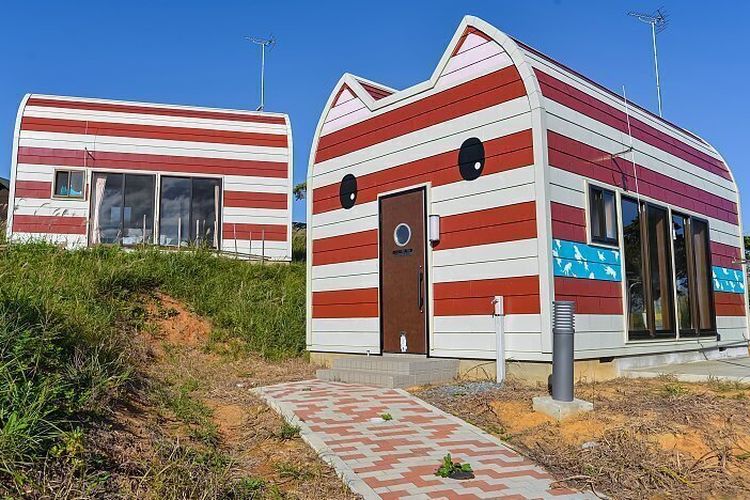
[563, 330]
[499, 315]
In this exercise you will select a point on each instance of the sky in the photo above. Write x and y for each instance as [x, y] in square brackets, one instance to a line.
[194, 53]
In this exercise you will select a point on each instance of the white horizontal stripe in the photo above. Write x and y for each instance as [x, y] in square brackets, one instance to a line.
[362, 344]
[69, 240]
[472, 41]
[580, 127]
[513, 323]
[345, 121]
[344, 109]
[345, 325]
[473, 70]
[257, 184]
[490, 123]
[601, 95]
[490, 191]
[150, 146]
[237, 213]
[527, 266]
[38, 173]
[154, 120]
[31, 203]
[485, 253]
[21, 208]
[726, 322]
[345, 96]
[345, 282]
[566, 195]
[336, 227]
[352, 269]
[248, 216]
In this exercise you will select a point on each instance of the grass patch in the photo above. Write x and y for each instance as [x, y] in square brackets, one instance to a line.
[67, 320]
[288, 431]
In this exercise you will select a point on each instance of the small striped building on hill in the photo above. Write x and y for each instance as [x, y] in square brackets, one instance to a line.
[91, 171]
[509, 174]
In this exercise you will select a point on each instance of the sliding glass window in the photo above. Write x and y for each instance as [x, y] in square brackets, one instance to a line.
[189, 211]
[122, 208]
[649, 280]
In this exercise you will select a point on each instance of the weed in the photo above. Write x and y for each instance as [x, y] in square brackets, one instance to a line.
[674, 389]
[288, 431]
[386, 416]
[289, 470]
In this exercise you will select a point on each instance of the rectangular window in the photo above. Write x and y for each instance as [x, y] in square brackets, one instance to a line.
[647, 256]
[189, 211]
[69, 184]
[682, 271]
[602, 216]
[122, 208]
[706, 321]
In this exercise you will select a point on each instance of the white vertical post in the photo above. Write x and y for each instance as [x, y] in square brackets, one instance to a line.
[499, 316]
[179, 232]
[263, 246]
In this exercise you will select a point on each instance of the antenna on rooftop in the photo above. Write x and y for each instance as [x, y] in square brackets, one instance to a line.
[658, 21]
[263, 42]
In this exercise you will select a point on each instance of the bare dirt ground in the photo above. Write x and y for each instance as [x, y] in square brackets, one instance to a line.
[195, 429]
[654, 438]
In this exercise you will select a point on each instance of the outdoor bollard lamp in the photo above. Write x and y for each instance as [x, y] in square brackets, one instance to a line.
[563, 331]
[434, 229]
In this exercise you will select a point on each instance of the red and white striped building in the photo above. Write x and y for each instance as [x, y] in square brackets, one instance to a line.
[87, 171]
[547, 187]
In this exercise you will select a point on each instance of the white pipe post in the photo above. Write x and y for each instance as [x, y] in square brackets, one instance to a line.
[263, 246]
[656, 66]
[179, 232]
[499, 316]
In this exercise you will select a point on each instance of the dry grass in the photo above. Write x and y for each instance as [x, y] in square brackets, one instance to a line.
[645, 438]
[198, 431]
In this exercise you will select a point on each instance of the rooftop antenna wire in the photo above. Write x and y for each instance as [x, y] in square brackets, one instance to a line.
[658, 21]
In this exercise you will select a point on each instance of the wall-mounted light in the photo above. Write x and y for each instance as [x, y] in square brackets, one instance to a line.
[434, 229]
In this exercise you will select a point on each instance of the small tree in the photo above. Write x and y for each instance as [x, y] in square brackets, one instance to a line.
[300, 191]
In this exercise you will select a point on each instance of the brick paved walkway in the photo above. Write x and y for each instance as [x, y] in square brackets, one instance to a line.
[398, 458]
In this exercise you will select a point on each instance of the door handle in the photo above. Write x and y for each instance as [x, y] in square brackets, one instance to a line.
[420, 296]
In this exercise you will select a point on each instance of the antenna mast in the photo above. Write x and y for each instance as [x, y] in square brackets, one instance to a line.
[263, 42]
[658, 21]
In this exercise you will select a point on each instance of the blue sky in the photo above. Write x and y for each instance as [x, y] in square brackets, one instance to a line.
[191, 52]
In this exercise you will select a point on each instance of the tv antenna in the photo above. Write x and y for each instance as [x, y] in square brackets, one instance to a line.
[263, 42]
[658, 21]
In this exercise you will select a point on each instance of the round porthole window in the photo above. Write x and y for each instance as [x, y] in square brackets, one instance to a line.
[348, 191]
[402, 234]
[471, 159]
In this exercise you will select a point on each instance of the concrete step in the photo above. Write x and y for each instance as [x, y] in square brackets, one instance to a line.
[390, 371]
[398, 364]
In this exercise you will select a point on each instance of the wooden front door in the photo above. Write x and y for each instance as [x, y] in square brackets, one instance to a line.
[403, 288]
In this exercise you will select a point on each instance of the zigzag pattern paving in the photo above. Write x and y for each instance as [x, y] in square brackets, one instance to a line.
[398, 458]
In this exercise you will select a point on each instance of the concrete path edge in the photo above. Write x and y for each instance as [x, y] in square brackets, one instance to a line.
[346, 473]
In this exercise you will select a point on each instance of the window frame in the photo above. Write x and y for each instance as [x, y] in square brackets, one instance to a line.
[69, 172]
[124, 174]
[191, 242]
[613, 243]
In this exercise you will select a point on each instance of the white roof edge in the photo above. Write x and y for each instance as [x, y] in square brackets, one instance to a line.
[159, 105]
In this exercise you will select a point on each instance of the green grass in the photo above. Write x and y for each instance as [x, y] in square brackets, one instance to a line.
[67, 321]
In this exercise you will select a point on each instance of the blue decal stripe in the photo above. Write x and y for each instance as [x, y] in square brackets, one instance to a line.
[578, 260]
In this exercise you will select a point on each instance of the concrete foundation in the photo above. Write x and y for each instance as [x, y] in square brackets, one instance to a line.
[587, 370]
[560, 410]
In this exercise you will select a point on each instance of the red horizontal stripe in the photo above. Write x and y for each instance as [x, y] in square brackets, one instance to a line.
[248, 199]
[501, 154]
[152, 132]
[729, 304]
[521, 296]
[480, 93]
[590, 296]
[725, 255]
[568, 223]
[50, 224]
[588, 161]
[33, 189]
[158, 163]
[148, 110]
[255, 232]
[582, 102]
[494, 225]
[345, 248]
[359, 303]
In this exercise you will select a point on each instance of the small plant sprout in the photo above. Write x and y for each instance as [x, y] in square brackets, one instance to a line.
[454, 470]
[386, 416]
